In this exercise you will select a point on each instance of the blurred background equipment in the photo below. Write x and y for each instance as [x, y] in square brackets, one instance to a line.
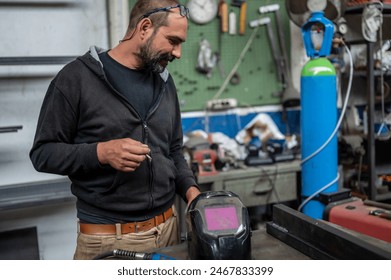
[299, 12]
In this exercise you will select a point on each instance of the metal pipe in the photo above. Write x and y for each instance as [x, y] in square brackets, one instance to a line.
[371, 124]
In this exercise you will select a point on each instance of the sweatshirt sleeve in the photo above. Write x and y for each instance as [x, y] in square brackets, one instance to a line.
[54, 150]
[185, 177]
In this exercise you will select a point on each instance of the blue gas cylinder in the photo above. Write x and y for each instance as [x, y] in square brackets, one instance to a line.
[318, 121]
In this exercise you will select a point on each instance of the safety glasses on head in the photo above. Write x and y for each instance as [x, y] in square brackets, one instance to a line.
[183, 11]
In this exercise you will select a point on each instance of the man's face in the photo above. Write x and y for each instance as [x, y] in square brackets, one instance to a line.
[153, 60]
[164, 45]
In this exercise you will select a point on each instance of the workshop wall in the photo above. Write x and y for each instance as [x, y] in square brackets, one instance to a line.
[34, 29]
[257, 82]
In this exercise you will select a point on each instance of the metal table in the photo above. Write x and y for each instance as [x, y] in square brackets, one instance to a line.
[264, 247]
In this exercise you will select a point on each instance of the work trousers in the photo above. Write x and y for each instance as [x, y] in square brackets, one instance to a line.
[166, 234]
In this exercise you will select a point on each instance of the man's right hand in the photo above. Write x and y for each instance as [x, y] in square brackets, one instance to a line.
[122, 154]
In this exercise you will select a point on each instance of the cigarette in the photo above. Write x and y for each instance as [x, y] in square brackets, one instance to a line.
[149, 157]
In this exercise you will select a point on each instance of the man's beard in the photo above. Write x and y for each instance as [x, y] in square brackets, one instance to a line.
[149, 59]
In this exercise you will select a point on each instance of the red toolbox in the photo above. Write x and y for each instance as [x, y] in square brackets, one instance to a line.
[355, 215]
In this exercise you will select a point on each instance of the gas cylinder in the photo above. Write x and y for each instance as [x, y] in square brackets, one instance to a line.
[318, 121]
[318, 115]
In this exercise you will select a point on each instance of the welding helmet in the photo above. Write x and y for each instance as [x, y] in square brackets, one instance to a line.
[218, 227]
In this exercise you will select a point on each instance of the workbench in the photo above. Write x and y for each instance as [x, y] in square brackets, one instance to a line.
[292, 235]
[263, 247]
[257, 185]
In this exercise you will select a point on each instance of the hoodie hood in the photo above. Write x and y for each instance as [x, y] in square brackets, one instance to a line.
[97, 65]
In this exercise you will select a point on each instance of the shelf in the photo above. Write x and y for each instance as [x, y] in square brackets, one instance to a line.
[359, 8]
[353, 19]
[383, 169]
[363, 73]
[6, 129]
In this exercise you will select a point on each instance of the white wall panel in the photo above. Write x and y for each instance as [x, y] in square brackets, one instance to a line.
[39, 28]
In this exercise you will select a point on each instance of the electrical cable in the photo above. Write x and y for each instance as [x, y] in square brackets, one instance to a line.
[317, 192]
[272, 182]
[333, 133]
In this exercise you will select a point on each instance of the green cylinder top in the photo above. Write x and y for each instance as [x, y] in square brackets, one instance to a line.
[318, 67]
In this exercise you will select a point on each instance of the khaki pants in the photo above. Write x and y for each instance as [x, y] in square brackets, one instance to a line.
[165, 234]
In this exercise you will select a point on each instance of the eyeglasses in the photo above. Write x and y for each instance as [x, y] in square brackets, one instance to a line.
[183, 11]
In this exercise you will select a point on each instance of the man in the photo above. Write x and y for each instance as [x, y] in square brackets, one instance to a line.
[111, 121]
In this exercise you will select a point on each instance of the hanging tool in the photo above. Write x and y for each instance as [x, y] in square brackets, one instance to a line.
[275, 8]
[206, 60]
[237, 64]
[242, 18]
[266, 21]
[291, 96]
[242, 14]
[232, 23]
[223, 28]
[223, 14]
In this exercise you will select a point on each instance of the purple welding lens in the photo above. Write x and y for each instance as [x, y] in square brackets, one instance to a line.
[221, 218]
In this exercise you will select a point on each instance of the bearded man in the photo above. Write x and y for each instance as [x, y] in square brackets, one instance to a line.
[111, 122]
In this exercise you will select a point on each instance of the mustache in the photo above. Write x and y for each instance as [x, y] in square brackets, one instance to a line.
[167, 57]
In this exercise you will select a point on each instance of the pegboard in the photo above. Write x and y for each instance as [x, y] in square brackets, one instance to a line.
[258, 82]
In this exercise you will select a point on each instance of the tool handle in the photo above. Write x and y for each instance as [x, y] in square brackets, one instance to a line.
[232, 23]
[223, 13]
[133, 255]
[242, 18]
[269, 8]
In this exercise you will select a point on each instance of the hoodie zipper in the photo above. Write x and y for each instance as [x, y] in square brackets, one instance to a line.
[145, 130]
[146, 140]
[149, 158]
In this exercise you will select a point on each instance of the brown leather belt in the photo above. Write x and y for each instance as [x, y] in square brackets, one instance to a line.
[126, 228]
